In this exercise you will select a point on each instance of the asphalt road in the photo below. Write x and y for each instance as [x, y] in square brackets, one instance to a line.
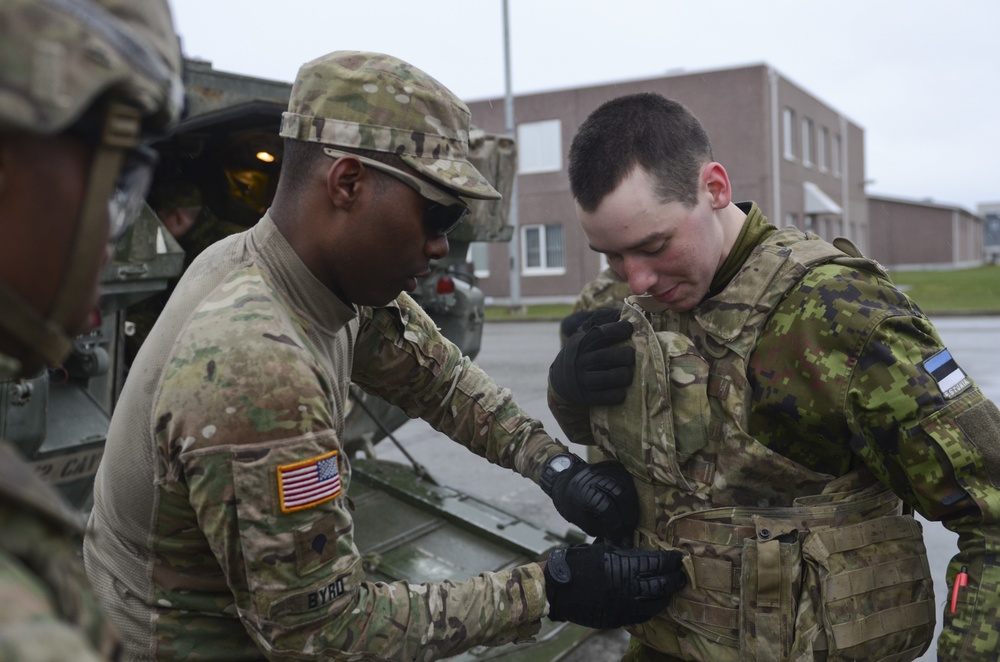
[517, 355]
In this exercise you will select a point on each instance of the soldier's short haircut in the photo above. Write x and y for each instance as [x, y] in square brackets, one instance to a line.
[647, 130]
[301, 157]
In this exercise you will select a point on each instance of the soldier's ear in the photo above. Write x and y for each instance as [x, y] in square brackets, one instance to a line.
[342, 181]
[716, 179]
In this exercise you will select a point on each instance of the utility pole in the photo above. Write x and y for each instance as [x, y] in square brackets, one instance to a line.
[508, 109]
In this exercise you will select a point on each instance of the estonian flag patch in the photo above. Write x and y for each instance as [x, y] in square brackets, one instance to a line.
[949, 377]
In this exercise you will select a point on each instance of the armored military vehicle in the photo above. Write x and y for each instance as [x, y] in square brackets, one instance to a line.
[228, 150]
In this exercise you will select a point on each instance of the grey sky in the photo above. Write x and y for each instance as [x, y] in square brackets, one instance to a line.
[921, 77]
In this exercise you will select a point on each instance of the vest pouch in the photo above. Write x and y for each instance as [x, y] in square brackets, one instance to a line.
[770, 585]
[875, 590]
[742, 597]
[665, 417]
[688, 383]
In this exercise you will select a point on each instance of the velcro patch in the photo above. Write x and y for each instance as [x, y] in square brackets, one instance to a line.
[308, 483]
[945, 371]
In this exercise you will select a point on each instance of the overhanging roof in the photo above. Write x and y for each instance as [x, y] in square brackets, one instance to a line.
[818, 202]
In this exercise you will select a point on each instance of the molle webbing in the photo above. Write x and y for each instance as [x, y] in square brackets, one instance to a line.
[734, 528]
[893, 570]
[872, 576]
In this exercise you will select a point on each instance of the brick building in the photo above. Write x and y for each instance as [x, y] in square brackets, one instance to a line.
[911, 234]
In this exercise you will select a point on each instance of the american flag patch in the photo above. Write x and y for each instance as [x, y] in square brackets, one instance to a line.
[949, 377]
[308, 483]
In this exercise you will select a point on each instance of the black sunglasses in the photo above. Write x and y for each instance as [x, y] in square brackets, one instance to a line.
[445, 211]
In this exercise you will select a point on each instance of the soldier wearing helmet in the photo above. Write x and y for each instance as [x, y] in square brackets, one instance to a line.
[224, 487]
[81, 81]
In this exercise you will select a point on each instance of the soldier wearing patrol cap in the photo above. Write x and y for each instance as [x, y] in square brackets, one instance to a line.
[223, 490]
[81, 82]
[783, 408]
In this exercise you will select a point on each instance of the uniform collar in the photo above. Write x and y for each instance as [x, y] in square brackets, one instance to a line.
[294, 279]
[755, 230]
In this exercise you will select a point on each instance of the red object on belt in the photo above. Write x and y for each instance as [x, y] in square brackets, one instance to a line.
[961, 579]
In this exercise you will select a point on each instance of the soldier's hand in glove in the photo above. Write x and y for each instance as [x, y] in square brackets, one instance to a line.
[599, 498]
[601, 586]
[590, 369]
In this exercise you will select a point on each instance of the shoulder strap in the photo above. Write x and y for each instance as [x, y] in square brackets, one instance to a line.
[772, 269]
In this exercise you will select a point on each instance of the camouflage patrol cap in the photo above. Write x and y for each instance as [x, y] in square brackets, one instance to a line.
[58, 56]
[378, 102]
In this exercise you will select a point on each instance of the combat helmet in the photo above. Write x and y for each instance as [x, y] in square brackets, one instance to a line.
[58, 56]
[109, 72]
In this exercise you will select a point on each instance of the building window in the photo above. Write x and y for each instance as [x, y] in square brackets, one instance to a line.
[807, 136]
[539, 147]
[479, 256]
[835, 156]
[788, 124]
[542, 250]
[822, 139]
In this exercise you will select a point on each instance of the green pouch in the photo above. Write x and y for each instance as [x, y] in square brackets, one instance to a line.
[876, 593]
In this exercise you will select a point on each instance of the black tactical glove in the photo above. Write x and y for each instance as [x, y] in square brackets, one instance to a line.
[599, 498]
[604, 587]
[588, 370]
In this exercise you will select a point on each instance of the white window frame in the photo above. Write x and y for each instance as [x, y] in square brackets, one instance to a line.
[481, 249]
[543, 269]
[807, 131]
[822, 139]
[835, 153]
[788, 128]
[539, 147]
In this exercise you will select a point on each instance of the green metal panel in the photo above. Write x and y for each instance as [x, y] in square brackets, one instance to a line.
[410, 528]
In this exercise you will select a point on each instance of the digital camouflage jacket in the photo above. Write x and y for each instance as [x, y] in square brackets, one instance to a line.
[848, 376]
[223, 492]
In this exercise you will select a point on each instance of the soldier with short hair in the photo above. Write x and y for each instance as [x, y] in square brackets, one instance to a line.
[224, 488]
[82, 84]
[783, 408]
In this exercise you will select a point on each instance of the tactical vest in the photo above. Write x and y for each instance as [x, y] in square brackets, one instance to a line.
[783, 562]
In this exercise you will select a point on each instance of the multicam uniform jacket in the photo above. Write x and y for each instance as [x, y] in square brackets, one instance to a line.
[47, 609]
[846, 379]
[222, 497]
[606, 289]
